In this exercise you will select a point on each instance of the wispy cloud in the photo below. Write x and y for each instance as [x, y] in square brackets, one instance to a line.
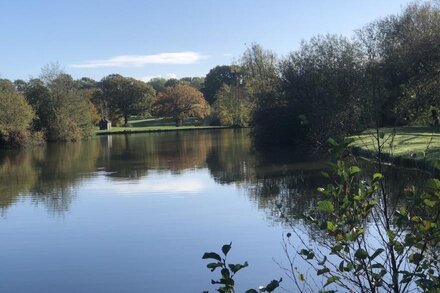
[142, 60]
[166, 76]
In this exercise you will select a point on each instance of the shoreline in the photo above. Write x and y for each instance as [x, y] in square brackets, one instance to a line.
[397, 161]
[165, 129]
[408, 147]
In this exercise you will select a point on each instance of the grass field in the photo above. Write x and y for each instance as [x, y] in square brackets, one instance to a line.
[418, 144]
[156, 125]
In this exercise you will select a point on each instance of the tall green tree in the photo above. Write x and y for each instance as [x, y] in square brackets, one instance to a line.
[16, 116]
[126, 96]
[322, 88]
[404, 56]
[226, 74]
[62, 110]
[232, 106]
[66, 110]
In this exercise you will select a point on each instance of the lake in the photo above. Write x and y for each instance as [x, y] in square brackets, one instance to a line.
[135, 213]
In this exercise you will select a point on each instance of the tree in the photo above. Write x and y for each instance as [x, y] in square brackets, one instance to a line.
[158, 83]
[126, 96]
[404, 52]
[180, 102]
[322, 88]
[173, 82]
[262, 83]
[196, 82]
[62, 109]
[37, 94]
[232, 106]
[65, 111]
[219, 75]
[15, 117]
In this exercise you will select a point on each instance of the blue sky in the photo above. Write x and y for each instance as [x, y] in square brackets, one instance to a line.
[179, 38]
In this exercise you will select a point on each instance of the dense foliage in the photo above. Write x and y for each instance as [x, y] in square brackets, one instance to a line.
[369, 243]
[123, 97]
[180, 102]
[16, 116]
[332, 86]
[219, 76]
[232, 106]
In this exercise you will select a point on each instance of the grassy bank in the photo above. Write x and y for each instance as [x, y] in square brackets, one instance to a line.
[156, 125]
[408, 146]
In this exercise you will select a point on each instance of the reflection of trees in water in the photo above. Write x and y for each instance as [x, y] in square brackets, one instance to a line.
[17, 176]
[49, 174]
[131, 157]
[230, 159]
[46, 174]
[291, 189]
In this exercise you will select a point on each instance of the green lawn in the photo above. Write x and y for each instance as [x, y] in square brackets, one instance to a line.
[419, 144]
[155, 125]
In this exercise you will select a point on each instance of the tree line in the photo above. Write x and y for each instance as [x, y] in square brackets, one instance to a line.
[387, 74]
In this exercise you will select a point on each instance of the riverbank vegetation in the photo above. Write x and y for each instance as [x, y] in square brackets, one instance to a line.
[386, 75]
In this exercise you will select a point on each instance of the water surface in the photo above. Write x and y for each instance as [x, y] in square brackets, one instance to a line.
[135, 213]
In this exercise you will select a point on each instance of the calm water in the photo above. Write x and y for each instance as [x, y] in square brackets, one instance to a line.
[136, 213]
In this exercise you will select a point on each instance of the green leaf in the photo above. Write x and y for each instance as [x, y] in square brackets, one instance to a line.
[377, 176]
[360, 253]
[332, 279]
[213, 265]
[332, 142]
[235, 268]
[376, 253]
[353, 170]
[326, 206]
[331, 226]
[211, 255]
[226, 248]
[341, 266]
[433, 184]
[429, 203]
[415, 258]
[377, 266]
[273, 285]
[304, 252]
[323, 271]
[251, 291]
[325, 174]
[225, 273]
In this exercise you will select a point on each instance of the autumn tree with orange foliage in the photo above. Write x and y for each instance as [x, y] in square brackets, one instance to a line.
[181, 102]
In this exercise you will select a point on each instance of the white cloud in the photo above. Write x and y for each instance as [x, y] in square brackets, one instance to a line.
[166, 76]
[142, 60]
[227, 55]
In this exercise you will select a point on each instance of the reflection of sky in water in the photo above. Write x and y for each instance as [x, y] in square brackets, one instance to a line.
[144, 235]
[160, 183]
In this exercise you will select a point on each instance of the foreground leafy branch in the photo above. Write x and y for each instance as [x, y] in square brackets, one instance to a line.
[369, 244]
[228, 271]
